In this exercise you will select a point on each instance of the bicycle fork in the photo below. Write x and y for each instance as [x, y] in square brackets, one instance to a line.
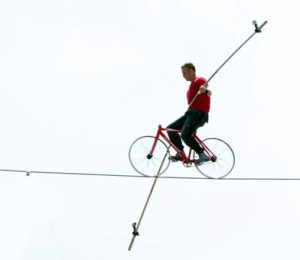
[150, 154]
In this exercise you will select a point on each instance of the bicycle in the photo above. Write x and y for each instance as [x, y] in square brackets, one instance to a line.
[146, 154]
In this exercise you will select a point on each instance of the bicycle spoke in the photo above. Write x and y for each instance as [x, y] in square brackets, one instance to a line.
[224, 159]
[138, 156]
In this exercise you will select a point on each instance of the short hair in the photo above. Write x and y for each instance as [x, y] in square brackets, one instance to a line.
[189, 66]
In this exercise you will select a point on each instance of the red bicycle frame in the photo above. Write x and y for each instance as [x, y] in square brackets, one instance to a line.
[185, 158]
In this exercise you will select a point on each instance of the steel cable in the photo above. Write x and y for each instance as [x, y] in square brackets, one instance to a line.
[28, 173]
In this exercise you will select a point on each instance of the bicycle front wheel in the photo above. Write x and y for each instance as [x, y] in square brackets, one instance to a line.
[223, 161]
[142, 162]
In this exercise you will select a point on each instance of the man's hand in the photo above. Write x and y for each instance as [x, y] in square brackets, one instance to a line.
[203, 90]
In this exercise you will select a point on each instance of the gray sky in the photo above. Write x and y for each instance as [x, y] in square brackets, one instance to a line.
[81, 80]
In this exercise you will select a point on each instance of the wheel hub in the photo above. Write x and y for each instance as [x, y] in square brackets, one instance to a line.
[149, 156]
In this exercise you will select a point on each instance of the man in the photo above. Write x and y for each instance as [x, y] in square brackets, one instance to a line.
[195, 117]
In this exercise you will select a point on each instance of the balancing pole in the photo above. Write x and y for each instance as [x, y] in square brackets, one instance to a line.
[257, 30]
[136, 226]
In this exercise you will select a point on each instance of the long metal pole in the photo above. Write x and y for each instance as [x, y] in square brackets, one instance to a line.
[257, 30]
[136, 227]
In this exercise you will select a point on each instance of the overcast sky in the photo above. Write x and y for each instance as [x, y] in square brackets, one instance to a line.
[81, 80]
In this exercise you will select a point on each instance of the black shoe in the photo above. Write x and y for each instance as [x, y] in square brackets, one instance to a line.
[177, 157]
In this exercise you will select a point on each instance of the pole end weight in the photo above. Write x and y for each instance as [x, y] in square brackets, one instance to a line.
[258, 28]
[135, 229]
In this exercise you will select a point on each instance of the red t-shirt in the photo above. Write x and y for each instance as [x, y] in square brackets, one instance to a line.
[202, 102]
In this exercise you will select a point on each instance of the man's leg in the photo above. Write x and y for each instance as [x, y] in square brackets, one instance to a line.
[192, 122]
[175, 137]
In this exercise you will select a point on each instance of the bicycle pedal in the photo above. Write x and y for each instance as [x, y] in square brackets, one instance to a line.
[172, 159]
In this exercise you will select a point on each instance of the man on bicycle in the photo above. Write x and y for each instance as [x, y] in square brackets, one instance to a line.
[195, 117]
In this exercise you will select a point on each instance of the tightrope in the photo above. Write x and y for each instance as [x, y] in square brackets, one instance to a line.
[28, 173]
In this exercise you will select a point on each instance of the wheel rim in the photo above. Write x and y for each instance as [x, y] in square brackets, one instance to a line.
[224, 162]
[139, 151]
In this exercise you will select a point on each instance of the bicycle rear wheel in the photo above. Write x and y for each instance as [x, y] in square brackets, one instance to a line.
[140, 160]
[223, 162]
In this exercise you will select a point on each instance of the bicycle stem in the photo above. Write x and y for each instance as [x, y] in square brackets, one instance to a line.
[257, 30]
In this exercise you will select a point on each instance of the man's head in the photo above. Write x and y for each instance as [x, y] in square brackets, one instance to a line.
[188, 71]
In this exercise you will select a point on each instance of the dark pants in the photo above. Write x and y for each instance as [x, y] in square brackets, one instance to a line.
[188, 124]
